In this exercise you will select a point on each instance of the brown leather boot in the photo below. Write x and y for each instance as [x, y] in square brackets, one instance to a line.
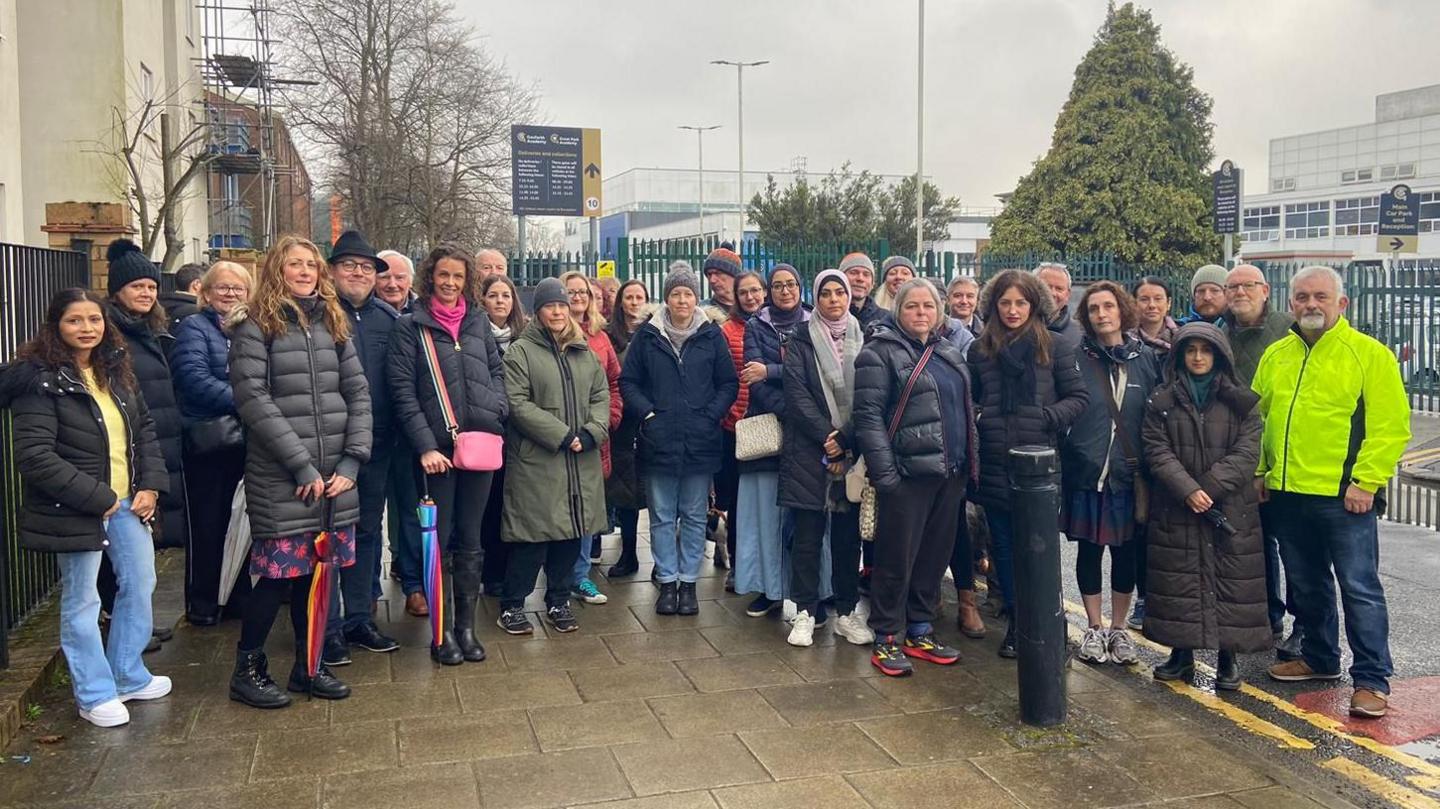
[971, 624]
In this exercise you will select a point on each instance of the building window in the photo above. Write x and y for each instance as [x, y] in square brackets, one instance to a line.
[1356, 217]
[1397, 171]
[1430, 212]
[1307, 220]
[1261, 224]
[1282, 184]
[147, 83]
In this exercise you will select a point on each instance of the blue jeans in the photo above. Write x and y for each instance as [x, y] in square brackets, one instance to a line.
[582, 560]
[1002, 553]
[1322, 544]
[358, 582]
[677, 502]
[402, 498]
[1277, 593]
[102, 673]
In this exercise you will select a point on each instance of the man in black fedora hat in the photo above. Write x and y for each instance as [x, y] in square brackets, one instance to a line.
[353, 266]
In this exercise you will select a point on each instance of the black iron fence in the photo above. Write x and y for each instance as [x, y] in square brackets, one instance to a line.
[28, 277]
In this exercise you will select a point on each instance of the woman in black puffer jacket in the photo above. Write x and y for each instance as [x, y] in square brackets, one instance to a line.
[918, 436]
[134, 287]
[1028, 389]
[302, 396]
[449, 312]
[85, 447]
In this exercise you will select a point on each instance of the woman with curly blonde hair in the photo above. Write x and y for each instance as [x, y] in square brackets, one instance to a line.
[301, 393]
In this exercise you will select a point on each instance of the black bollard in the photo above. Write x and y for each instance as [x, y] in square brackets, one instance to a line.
[1039, 611]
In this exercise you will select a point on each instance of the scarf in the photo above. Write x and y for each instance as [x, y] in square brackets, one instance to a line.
[309, 305]
[1200, 386]
[783, 320]
[448, 317]
[837, 366]
[1017, 376]
[676, 335]
[502, 336]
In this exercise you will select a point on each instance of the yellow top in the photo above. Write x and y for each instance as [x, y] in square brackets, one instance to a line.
[115, 435]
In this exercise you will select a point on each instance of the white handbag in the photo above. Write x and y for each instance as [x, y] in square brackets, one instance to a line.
[757, 437]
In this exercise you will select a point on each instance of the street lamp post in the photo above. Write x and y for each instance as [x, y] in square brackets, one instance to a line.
[920, 142]
[700, 142]
[740, 121]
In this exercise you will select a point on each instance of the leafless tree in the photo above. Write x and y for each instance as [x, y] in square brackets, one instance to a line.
[411, 117]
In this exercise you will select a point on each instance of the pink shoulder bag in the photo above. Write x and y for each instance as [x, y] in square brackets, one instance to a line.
[475, 451]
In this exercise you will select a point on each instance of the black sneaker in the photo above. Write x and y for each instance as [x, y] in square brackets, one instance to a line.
[561, 618]
[367, 636]
[515, 622]
[761, 607]
[926, 647]
[888, 657]
[1007, 646]
[336, 653]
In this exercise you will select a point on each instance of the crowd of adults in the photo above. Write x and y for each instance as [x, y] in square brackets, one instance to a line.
[851, 438]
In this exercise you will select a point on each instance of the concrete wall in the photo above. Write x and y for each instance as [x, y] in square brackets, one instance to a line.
[12, 215]
[1407, 104]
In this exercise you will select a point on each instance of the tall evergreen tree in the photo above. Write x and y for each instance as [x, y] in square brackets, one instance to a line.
[1128, 166]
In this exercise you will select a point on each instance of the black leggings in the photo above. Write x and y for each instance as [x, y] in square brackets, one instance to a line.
[1141, 559]
[1122, 567]
[264, 605]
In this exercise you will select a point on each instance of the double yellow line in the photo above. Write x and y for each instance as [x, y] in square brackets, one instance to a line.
[1420, 456]
[1426, 777]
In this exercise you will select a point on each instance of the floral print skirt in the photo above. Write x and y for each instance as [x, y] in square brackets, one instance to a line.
[294, 556]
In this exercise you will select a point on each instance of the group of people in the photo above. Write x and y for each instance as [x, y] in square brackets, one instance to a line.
[853, 436]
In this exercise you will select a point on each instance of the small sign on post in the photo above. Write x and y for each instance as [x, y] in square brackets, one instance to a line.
[605, 269]
[555, 171]
[1227, 184]
[1399, 226]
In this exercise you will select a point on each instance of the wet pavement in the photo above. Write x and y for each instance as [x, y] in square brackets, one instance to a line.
[638, 710]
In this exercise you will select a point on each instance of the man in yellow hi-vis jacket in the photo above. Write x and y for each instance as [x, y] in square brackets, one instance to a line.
[1336, 422]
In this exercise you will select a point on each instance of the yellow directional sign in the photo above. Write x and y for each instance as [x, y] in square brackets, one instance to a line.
[590, 171]
[604, 269]
[1409, 243]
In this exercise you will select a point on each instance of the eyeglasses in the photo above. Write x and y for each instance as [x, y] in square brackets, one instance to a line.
[226, 289]
[351, 265]
[578, 293]
[1245, 285]
[785, 286]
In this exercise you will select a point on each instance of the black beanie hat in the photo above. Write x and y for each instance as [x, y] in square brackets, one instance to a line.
[128, 264]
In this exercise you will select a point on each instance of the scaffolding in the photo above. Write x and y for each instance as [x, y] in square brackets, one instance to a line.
[239, 78]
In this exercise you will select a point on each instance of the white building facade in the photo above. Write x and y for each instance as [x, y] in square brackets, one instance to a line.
[1322, 200]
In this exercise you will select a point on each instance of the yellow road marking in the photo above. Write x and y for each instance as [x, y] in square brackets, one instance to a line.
[1381, 786]
[1420, 455]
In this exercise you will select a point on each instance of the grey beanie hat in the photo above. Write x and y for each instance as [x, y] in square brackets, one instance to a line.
[856, 260]
[681, 275]
[896, 261]
[1208, 274]
[549, 290]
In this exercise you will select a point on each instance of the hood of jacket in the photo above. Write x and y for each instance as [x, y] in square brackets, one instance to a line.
[1200, 330]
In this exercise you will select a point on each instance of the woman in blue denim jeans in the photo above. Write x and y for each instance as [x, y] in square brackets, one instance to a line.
[85, 447]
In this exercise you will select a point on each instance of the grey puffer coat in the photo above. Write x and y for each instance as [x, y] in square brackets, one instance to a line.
[306, 409]
[1204, 589]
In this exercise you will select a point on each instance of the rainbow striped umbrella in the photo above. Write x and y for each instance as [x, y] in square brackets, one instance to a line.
[322, 585]
[431, 556]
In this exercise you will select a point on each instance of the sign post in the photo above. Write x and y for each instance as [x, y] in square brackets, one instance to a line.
[1398, 228]
[555, 171]
[1227, 185]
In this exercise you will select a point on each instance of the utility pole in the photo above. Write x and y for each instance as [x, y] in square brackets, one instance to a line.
[740, 120]
[920, 141]
[700, 142]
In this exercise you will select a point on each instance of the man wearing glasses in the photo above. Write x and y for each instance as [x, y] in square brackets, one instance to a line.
[1252, 326]
[353, 266]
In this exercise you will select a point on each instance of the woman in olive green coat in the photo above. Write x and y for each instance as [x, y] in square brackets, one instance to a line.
[554, 485]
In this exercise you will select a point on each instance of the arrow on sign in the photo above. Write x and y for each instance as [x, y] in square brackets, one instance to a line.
[1396, 244]
[592, 170]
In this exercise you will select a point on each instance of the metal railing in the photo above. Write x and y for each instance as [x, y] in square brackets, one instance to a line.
[29, 276]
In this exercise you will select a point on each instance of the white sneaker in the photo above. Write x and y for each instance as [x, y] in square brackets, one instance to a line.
[852, 628]
[802, 630]
[1094, 646]
[862, 610]
[108, 714]
[158, 687]
[788, 609]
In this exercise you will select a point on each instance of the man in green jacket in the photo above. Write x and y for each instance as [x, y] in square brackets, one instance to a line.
[1252, 327]
[1337, 419]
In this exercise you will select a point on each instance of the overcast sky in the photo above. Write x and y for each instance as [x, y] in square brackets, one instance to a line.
[841, 83]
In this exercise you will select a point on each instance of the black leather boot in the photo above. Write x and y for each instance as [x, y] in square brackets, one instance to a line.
[1180, 666]
[1227, 673]
[688, 605]
[471, 649]
[448, 652]
[669, 601]
[323, 685]
[251, 683]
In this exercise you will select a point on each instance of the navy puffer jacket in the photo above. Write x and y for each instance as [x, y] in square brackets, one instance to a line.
[201, 364]
[370, 326]
[474, 379]
[688, 393]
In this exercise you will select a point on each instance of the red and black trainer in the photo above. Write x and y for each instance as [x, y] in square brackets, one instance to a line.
[888, 657]
[926, 647]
